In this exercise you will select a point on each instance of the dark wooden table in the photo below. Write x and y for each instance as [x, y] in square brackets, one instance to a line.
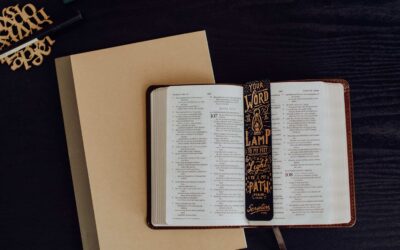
[249, 39]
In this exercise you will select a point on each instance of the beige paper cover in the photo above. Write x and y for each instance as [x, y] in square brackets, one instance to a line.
[103, 102]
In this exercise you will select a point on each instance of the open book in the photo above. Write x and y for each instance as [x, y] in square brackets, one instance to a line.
[196, 160]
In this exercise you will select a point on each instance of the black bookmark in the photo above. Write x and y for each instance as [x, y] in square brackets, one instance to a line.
[258, 150]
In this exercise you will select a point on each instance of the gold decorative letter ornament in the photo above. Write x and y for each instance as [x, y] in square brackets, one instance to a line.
[18, 23]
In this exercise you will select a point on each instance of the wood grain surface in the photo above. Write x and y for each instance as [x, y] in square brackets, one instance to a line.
[249, 39]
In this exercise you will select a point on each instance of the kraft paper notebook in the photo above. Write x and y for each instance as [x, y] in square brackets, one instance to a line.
[250, 155]
[103, 96]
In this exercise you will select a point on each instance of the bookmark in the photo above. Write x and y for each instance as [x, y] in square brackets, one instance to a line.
[258, 150]
[279, 238]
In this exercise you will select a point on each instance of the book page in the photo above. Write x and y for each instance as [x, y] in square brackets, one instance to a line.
[205, 156]
[310, 169]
